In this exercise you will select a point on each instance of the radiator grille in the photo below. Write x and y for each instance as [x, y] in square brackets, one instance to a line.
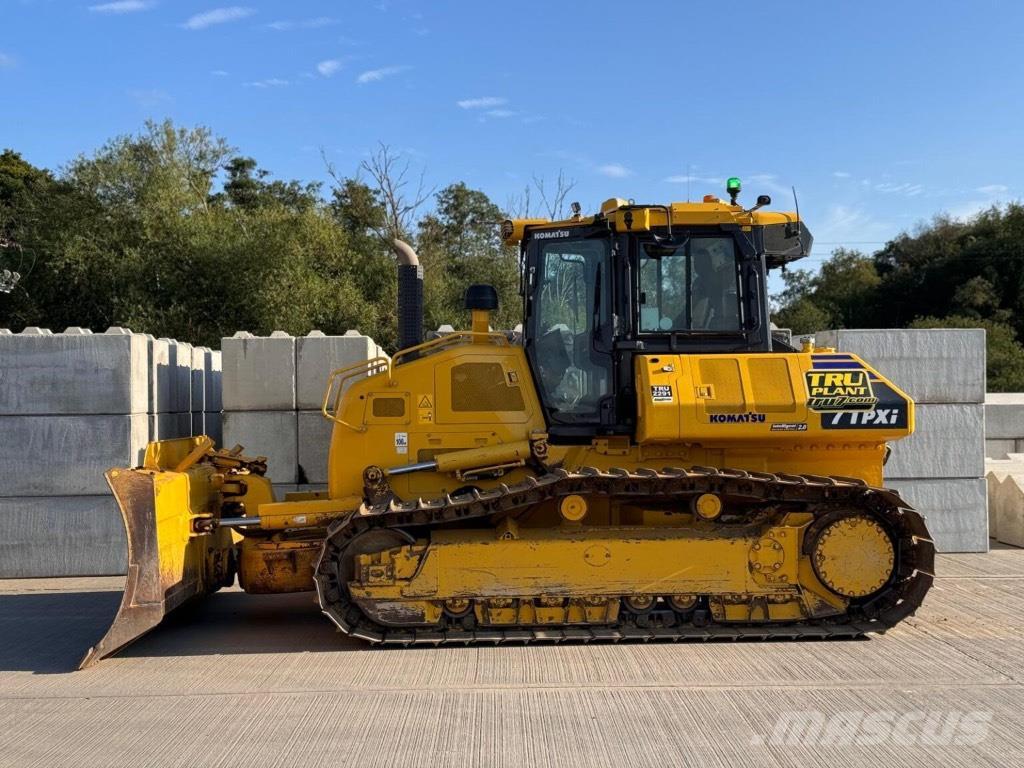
[389, 407]
[482, 387]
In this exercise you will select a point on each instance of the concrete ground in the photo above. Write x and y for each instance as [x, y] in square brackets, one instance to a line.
[255, 681]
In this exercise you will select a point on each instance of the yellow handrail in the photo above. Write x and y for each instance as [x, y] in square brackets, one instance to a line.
[371, 367]
[450, 339]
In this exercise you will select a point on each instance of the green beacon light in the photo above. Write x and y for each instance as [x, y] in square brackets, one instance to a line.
[733, 187]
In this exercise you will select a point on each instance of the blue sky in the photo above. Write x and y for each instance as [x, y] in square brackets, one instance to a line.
[880, 113]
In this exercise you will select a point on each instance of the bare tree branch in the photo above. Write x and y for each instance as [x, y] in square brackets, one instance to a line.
[391, 177]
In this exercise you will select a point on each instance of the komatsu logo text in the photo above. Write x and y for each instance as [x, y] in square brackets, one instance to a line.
[839, 391]
[737, 418]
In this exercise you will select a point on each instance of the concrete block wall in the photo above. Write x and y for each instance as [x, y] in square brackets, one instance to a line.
[1004, 424]
[73, 405]
[940, 469]
[273, 389]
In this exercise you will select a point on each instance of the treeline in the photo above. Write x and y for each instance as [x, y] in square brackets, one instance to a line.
[171, 232]
[948, 274]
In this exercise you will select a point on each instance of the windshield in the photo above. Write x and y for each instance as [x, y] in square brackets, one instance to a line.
[690, 285]
[573, 303]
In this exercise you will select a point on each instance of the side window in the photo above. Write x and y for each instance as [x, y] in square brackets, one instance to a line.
[573, 290]
[691, 285]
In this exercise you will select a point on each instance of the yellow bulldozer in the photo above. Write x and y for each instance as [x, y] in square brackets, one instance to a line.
[644, 460]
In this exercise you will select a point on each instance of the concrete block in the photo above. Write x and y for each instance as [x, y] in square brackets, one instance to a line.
[273, 434]
[948, 441]
[179, 356]
[169, 426]
[67, 455]
[197, 379]
[214, 398]
[258, 372]
[74, 373]
[941, 365]
[160, 375]
[1004, 416]
[61, 536]
[208, 424]
[999, 448]
[314, 444]
[316, 355]
[956, 511]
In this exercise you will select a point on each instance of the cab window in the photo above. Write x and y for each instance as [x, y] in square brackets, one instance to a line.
[691, 285]
[572, 301]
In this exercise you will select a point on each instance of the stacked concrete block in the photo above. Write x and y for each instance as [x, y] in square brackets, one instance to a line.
[72, 405]
[273, 389]
[206, 400]
[259, 400]
[940, 469]
[1004, 424]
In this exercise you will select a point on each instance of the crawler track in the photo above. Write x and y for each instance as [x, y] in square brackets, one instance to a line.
[903, 594]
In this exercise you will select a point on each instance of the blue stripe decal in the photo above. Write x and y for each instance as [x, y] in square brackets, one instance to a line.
[833, 356]
[837, 366]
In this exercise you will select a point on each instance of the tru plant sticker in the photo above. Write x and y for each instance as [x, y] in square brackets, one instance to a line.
[839, 391]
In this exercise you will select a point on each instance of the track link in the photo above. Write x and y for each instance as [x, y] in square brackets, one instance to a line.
[912, 577]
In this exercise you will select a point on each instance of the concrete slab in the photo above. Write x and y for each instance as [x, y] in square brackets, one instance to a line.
[245, 680]
[956, 511]
[74, 373]
[948, 441]
[214, 382]
[67, 455]
[314, 446]
[1004, 416]
[160, 375]
[273, 434]
[197, 379]
[999, 448]
[179, 356]
[316, 355]
[258, 372]
[61, 536]
[933, 366]
[168, 426]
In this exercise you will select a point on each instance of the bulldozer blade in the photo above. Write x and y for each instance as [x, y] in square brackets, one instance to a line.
[168, 563]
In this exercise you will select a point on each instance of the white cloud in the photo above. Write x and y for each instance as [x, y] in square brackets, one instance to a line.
[123, 6]
[500, 113]
[841, 174]
[329, 67]
[614, 171]
[482, 102]
[376, 75]
[993, 189]
[218, 16]
[150, 98]
[272, 82]
[219, 73]
[685, 178]
[7, 61]
[317, 23]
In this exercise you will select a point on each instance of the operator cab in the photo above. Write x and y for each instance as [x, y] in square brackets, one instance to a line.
[641, 279]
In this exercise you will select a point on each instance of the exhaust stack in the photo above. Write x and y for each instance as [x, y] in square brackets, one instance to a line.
[410, 295]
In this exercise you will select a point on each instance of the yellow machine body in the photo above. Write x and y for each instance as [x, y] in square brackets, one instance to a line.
[746, 496]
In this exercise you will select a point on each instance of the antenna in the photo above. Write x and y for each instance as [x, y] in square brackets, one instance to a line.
[799, 239]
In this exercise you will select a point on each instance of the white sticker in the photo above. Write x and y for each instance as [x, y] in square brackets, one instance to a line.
[661, 393]
[401, 442]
